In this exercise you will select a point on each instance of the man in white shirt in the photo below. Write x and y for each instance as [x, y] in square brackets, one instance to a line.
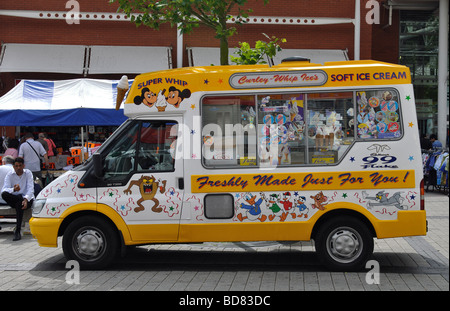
[18, 192]
[31, 151]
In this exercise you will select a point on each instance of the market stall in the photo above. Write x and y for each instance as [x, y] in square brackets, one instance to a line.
[71, 110]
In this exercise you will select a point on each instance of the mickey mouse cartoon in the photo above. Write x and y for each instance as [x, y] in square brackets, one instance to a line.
[175, 96]
[147, 98]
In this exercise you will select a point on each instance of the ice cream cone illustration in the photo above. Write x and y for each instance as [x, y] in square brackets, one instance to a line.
[161, 103]
[122, 88]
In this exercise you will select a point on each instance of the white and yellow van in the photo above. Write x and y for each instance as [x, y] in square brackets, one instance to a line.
[293, 152]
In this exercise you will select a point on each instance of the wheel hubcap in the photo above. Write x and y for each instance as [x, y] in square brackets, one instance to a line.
[344, 244]
[89, 244]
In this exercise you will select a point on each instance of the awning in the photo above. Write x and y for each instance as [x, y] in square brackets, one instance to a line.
[206, 56]
[75, 102]
[17, 57]
[82, 59]
[128, 59]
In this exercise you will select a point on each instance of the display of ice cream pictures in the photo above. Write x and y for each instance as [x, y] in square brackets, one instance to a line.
[378, 115]
[281, 121]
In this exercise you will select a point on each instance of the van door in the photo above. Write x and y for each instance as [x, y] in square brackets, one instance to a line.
[143, 178]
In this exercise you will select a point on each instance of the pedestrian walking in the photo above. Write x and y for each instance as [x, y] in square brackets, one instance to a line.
[41, 139]
[32, 151]
[51, 145]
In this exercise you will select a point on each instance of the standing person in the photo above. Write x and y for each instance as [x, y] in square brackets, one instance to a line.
[435, 143]
[31, 151]
[51, 145]
[18, 192]
[41, 139]
[13, 148]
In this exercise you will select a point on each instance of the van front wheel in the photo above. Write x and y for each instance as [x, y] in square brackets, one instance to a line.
[344, 244]
[91, 241]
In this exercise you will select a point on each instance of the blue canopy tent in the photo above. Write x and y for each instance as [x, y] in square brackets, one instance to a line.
[77, 102]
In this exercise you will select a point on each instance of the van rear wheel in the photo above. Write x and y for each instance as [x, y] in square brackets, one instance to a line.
[91, 241]
[344, 244]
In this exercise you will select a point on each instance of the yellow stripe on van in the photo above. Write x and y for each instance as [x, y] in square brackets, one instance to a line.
[395, 179]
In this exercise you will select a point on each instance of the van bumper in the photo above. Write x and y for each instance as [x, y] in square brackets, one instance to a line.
[45, 230]
[408, 223]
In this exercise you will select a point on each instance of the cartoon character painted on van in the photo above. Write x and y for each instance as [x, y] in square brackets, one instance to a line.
[148, 187]
[383, 199]
[272, 207]
[251, 209]
[175, 97]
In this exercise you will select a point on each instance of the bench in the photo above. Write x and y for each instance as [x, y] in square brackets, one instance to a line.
[9, 213]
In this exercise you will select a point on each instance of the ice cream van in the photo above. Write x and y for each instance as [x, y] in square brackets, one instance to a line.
[292, 152]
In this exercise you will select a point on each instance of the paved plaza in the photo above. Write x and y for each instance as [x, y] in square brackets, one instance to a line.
[405, 264]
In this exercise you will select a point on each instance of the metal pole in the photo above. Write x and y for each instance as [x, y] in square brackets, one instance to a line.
[179, 48]
[443, 72]
[357, 23]
[82, 145]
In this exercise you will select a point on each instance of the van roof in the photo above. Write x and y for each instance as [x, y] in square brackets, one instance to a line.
[293, 73]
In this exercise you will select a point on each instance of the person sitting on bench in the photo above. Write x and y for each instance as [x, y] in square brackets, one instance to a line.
[5, 168]
[18, 192]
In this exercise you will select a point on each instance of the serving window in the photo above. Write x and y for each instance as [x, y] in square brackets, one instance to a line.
[291, 129]
[311, 128]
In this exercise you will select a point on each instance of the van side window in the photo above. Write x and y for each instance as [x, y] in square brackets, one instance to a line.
[279, 130]
[144, 146]
[229, 131]
[312, 128]
[157, 146]
[378, 114]
[281, 119]
[330, 126]
[119, 161]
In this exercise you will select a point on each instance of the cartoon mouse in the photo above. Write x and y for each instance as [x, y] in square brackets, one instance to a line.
[147, 98]
[175, 96]
[319, 201]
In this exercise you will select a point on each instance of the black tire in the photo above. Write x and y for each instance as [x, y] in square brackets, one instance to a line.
[344, 244]
[91, 241]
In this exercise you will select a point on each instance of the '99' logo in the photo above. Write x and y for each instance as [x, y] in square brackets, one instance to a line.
[379, 162]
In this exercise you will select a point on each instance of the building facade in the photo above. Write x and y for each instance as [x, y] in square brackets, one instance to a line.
[42, 40]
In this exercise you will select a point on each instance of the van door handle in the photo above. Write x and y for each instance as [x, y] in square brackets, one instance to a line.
[181, 183]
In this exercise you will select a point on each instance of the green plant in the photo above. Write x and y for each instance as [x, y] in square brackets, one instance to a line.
[251, 56]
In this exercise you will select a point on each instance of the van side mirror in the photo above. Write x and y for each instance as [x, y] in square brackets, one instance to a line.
[98, 165]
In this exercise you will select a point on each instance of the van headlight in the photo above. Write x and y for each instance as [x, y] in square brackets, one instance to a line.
[38, 205]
